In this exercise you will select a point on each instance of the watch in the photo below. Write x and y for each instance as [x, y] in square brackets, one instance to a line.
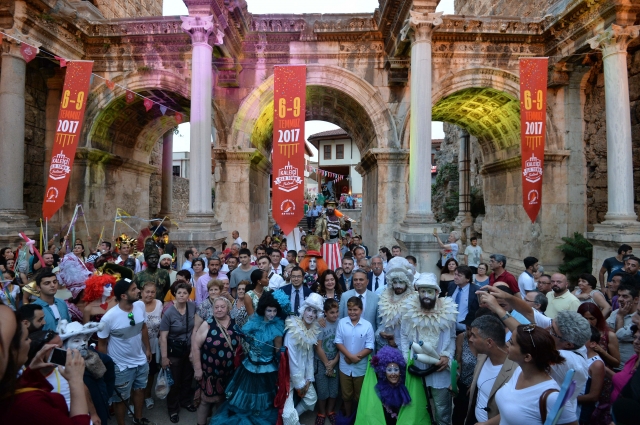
[506, 316]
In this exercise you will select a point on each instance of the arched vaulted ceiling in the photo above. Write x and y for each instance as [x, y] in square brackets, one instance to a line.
[325, 104]
[491, 115]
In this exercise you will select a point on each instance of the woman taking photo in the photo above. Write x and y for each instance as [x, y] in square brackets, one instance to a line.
[520, 400]
[481, 278]
[586, 292]
[259, 284]
[213, 353]
[153, 308]
[328, 287]
[176, 328]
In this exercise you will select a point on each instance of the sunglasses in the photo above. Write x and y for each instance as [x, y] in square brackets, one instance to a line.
[132, 322]
[530, 328]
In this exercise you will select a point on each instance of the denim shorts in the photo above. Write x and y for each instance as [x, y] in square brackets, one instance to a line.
[130, 378]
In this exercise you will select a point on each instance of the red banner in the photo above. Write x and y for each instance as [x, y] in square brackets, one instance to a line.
[533, 122]
[290, 87]
[70, 118]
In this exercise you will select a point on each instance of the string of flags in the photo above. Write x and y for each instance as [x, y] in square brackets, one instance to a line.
[30, 52]
[328, 174]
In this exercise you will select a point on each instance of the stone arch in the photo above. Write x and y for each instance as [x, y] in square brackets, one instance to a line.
[334, 94]
[128, 130]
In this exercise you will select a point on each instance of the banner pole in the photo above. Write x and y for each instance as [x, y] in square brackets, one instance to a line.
[115, 220]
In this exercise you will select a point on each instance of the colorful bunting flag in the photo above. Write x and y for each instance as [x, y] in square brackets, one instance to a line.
[28, 52]
[63, 61]
[110, 84]
[148, 104]
[130, 96]
[163, 109]
[179, 117]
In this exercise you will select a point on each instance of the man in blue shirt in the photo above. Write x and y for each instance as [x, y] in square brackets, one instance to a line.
[54, 309]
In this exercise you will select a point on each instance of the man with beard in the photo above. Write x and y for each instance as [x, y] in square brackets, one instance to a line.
[428, 335]
[165, 264]
[300, 338]
[328, 228]
[202, 293]
[125, 250]
[560, 298]
[621, 321]
[347, 270]
[152, 273]
[33, 316]
[125, 339]
[392, 305]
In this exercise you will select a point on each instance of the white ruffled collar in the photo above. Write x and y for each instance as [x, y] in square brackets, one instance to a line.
[303, 337]
[392, 307]
[442, 317]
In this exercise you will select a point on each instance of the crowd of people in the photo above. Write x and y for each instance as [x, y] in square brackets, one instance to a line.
[262, 336]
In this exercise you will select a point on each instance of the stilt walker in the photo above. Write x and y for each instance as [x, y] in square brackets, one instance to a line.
[328, 228]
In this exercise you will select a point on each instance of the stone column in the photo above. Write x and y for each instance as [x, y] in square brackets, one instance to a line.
[420, 26]
[613, 42]
[416, 230]
[12, 126]
[200, 228]
[464, 168]
[167, 174]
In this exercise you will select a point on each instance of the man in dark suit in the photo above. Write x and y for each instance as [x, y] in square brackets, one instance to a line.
[296, 291]
[464, 294]
[369, 299]
[377, 277]
[493, 366]
[347, 273]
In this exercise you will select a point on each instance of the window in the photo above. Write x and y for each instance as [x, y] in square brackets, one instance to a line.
[327, 151]
[339, 151]
[176, 170]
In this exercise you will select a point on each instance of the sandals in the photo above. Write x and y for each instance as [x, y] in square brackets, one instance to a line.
[174, 418]
[149, 403]
[191, 408]
[143, 421]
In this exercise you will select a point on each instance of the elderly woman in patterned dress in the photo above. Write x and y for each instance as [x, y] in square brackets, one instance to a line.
[213, 352]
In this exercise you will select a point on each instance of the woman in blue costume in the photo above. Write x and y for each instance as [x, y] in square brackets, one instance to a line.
[251, 392]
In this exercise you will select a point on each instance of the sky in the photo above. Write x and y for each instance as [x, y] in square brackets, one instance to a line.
[177, 7]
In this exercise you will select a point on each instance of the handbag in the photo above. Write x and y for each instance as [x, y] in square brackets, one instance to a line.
[179, 347]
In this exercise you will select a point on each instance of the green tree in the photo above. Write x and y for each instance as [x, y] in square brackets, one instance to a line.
[577, 257]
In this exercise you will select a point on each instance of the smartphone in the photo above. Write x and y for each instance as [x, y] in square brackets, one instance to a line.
[58, 356]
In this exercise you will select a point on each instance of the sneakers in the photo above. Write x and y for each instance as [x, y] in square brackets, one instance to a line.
[149, 403]
[143, 421]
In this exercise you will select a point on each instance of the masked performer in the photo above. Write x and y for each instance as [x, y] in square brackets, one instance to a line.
[428, 335]
[313, 264]
[328, 228]
[393, 302]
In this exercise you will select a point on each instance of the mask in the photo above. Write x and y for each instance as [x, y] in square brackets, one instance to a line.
[393, 373]
[270, 313]
[107, 290]
[309, 315]
[398, 287]
[77, 343]
[313, 265]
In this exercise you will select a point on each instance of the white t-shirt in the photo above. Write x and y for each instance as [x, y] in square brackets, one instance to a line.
[486, 379]
[526, 283]
[520, 407]
[55, 311]
[60, 385]
[125, 341]
[576, 360]
[238, 240]
[473, 254]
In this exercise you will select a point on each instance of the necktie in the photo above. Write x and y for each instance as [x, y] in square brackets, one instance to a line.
[296, 303]
[458, 296]
[377, 284]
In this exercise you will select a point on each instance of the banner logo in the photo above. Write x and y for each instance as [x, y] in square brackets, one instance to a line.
[288, 179]
[533, 119]
[533, 170]
[70, 119]
[289, 99]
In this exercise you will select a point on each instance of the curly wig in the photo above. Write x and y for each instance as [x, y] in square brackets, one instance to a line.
[267, 300]
[321, 264]
[95, 286]
[385, 356]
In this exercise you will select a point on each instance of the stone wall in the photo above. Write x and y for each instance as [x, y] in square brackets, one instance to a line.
[113, 9]
[525, 9]
[180, 204]
[155, 180]
[595, 137]
[34, 149]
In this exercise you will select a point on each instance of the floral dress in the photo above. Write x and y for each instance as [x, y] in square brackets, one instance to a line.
[217, 360]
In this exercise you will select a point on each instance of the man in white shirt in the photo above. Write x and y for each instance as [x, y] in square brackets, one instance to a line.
[189, 255]
[473, 255]
[276, 261]
[526, 283]
[275, 280]
[125, 249]
[236, 237]
[377, 279]
[125, 339]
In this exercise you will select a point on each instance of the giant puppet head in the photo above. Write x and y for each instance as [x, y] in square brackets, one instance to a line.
[76, 337]
[313, 261]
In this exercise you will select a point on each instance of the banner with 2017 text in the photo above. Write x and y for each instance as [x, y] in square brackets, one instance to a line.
[533, 119]
[70, 118]
[290, 86]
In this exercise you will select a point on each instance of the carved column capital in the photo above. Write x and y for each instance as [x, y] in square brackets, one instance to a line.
[420, 25]
[11, 46]
[614, 39]
[201, 27]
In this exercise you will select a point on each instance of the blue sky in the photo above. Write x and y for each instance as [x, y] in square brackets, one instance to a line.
[177, 7]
